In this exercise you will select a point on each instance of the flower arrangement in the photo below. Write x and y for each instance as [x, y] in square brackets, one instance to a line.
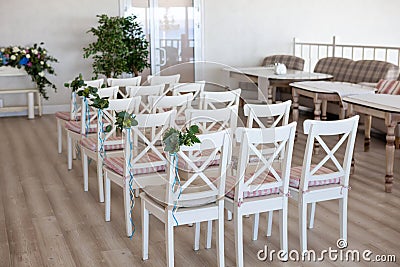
[173, 139]
[34, 60]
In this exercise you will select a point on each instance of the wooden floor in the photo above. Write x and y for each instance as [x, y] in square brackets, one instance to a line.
[46, 219]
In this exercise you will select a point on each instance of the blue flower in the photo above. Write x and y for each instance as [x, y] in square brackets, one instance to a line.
[23, 61]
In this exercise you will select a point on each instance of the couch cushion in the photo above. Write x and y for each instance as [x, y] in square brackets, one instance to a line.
[336, 66]
[390, 87]
[372, 71]
[291, 62]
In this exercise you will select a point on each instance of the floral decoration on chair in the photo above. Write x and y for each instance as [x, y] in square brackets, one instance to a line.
[34, 60]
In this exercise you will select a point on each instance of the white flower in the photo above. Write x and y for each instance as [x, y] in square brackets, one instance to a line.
[34, 51]
[44, 52]
[13, 57]
[28, 56]
[23, 51]
[41, 74]
[2, 50]
[15, 49]
[41, 62]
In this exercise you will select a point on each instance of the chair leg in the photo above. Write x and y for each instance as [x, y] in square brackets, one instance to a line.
[312, 215]
[303, 226]
[169, 239]
[100, 179]
[269, 226]
[196, 236]
[238, 220]
[209, 234]
[107, 203]
[127, 208]
[75, 147]
[229, 215]
[283, 228]
[59, 135]
[343, 217]
[69, 152]
[256, 222]
[145, 231]
[220, 238]
[85, 169]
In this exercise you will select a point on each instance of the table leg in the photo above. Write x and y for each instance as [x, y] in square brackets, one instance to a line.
[270, 89]
[39, 102]
[367, 132]
[295, 106]
[389, 156]
[317, 116]
[324, 107]
[31, 105]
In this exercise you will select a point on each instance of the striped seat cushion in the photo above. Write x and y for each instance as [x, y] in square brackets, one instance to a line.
[91, 143]
[390, 87]
[230, 186]
[295, 175]
[66, 116]
[116, 164]
[75, 126]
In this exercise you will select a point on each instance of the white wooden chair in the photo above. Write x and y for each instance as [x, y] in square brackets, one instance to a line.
[184, 88]
[260, 188]
[76, 130]
[312, 183]
[73, 113]
[143, 162]
[168, 79]
[144, 92]
[96, 147]
[197, 199]
[215, 100]
[179, 103]
[122, 83]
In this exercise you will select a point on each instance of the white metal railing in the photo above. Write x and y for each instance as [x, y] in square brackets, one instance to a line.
[312, 52]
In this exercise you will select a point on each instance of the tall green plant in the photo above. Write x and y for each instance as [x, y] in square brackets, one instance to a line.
[120, 46]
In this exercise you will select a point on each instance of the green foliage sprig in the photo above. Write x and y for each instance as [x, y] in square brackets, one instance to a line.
[88, 91]
[120, 47]
[36, 62]
[173, 139]
[125, 120]
[77, 83]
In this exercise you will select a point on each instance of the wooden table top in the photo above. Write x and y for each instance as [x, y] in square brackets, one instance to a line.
[383, 102]
[343, 89]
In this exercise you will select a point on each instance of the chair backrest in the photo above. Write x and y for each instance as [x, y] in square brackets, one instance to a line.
[140, 148]
[200, 184]
[183, 88]
[145, 91]
[264, 176]
[75, 108]
[278, 112]
[212, 120]
[155, 80]
[291, 62]
[89, 114]
[107, 116]
[178, 103]
[316, 130]
[122, 83]
[213, 100]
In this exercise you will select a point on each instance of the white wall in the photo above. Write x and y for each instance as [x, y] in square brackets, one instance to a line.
[237, 32]
[241, 33]
[62, 26]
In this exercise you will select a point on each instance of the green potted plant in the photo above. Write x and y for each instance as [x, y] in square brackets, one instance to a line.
[120, 47]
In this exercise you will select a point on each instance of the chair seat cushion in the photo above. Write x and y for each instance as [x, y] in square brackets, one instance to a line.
[295, 175]
[390, 87]
[157, 193]
[91, 143]
[116, 164]
[66, 116]
[75, 126]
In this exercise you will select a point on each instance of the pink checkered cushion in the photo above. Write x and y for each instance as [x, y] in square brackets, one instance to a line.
[291, 62]
[116, 164]
[390, 87]
[336, 66]
[91, 143]
[230, 186]
[75, 126]
[295, 175]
